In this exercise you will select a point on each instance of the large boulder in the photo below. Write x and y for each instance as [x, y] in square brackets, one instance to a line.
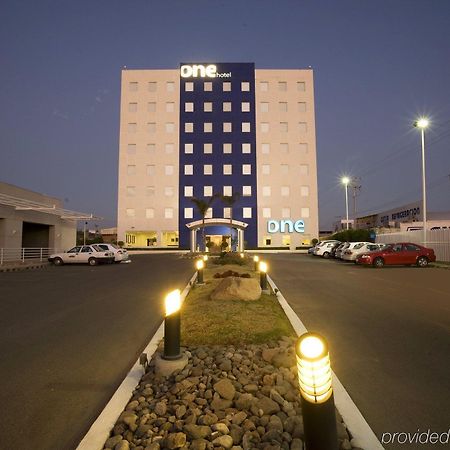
[234, 288]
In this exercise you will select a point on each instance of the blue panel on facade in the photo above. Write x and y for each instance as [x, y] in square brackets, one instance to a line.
[214, 92]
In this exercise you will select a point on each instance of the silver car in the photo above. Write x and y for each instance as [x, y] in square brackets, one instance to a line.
[120, 254]
[87, 254]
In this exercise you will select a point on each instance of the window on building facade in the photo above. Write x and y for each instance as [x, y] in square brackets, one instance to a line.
[304, 212]
[170, 127]
[131, 149]
[209, 213]
[245, 86]
[263, 86]
[150, 191]
[131, 191]
[301, 86]
[267, 240]
[303, 148]
[207, 191]
[227, 147]
[169, 191]
[188, 148]
[226, 86]
[169, 148]
[132, 127]
[207, 106]
[301, 107]
[149, 213]
[133, 86]
[282, 106]
[227, 213]
[189, 86]
[265, 149]
[131, 170]
[245, 127]
[227, 169]
[188, 213]
[282, 86]
[207, 169]
[170, 107]
[188, 169]
[188, 191]
[302, 127]
[226, 106]
[151, 127]
[264, 107]
[170, 86]
[246, 147]
[304, 169]
[131, 212]
[246, 191]
[284, 169]
[304, 191]
[286, 240]
[207, 127]
[265, 169]
[266, 191]
[150, 169]
[152, 86]
[245, 106]
[247, 213]
[132, 107]
[189, 107]
[285, 191]
[227, 127]
[228, 191]
[285, 213]
[284, 147]
[168, 170]
[188, 127]
[151, 107]
[267, 213]
[207, 86]
[284, 127]
[168, 213]
[246, 169]
[207, 148]
[264, 127]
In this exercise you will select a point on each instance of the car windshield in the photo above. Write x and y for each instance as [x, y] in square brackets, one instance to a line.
[358, 245]
[99, 249]
[372, 247]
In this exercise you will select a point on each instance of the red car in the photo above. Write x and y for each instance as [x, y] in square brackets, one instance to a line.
[404, 253]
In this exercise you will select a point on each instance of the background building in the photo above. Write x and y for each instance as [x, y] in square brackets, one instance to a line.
[217, 129]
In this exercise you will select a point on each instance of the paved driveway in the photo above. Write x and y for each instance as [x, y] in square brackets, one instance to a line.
[389, 336]
[68, 336]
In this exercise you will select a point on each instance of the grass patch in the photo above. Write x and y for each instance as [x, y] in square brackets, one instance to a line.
[208, 322]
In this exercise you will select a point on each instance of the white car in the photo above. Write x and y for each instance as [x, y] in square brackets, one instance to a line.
[358, 248]
[120, 254]
[88, 254]
[324, 248]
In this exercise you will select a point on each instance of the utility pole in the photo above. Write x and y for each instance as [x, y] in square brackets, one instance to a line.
[355, 184]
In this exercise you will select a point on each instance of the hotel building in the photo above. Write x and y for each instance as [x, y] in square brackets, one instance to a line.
[207, 131]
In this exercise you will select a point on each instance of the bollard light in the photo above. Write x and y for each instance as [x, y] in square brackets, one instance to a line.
[172, 325]
[200, 265]
[263, 275]
[317, 400]
[256, 261]
[205, 260]
[241, 255]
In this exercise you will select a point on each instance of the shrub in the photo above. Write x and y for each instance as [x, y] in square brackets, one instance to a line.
[230, 258]
[353, 236]
[231, 273]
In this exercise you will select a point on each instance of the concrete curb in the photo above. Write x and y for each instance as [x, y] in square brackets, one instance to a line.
[20, 268]
[353, 418]
[99, 431]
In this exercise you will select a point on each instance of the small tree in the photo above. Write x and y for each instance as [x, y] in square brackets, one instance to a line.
[229, 201]
[202, 207]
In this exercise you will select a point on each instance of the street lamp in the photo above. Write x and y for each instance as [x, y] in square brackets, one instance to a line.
[346, 181]
[256, 261]
[423, 123]
[200, 265]
[172, 326]
[263, 275]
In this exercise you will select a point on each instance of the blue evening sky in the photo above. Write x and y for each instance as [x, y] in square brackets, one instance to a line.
[377, 65]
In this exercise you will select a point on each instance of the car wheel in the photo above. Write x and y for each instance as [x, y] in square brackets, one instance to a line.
[326, 255]
[378, 262]
[92, 262]
[58, 262]
[422, 261]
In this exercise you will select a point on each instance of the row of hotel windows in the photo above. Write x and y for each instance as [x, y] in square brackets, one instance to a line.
[169, 191]
[227, 147]
[282, 86]
[209, 106]
[283, 127]
[247, 213]
[227, 169]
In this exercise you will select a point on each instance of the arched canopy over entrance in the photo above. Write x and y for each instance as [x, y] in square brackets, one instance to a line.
[236, 224]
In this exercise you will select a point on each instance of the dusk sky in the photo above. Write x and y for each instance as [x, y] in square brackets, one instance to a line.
[377, 66]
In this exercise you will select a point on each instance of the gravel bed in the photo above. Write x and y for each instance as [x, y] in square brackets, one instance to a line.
[227, 397]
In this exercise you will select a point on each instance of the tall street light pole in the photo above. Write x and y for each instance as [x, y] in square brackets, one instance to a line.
[345, 181]
[423, 123]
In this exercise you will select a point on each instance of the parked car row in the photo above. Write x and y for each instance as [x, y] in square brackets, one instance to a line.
[377, 255]
[90, 254]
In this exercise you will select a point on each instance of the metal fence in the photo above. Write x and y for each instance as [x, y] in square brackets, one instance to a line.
[8, 255]
[438, 240]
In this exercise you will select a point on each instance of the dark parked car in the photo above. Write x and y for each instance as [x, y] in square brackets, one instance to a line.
[403, 253]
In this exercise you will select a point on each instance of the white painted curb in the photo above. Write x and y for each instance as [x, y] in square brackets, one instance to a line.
[353, 418]
[99, 432]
